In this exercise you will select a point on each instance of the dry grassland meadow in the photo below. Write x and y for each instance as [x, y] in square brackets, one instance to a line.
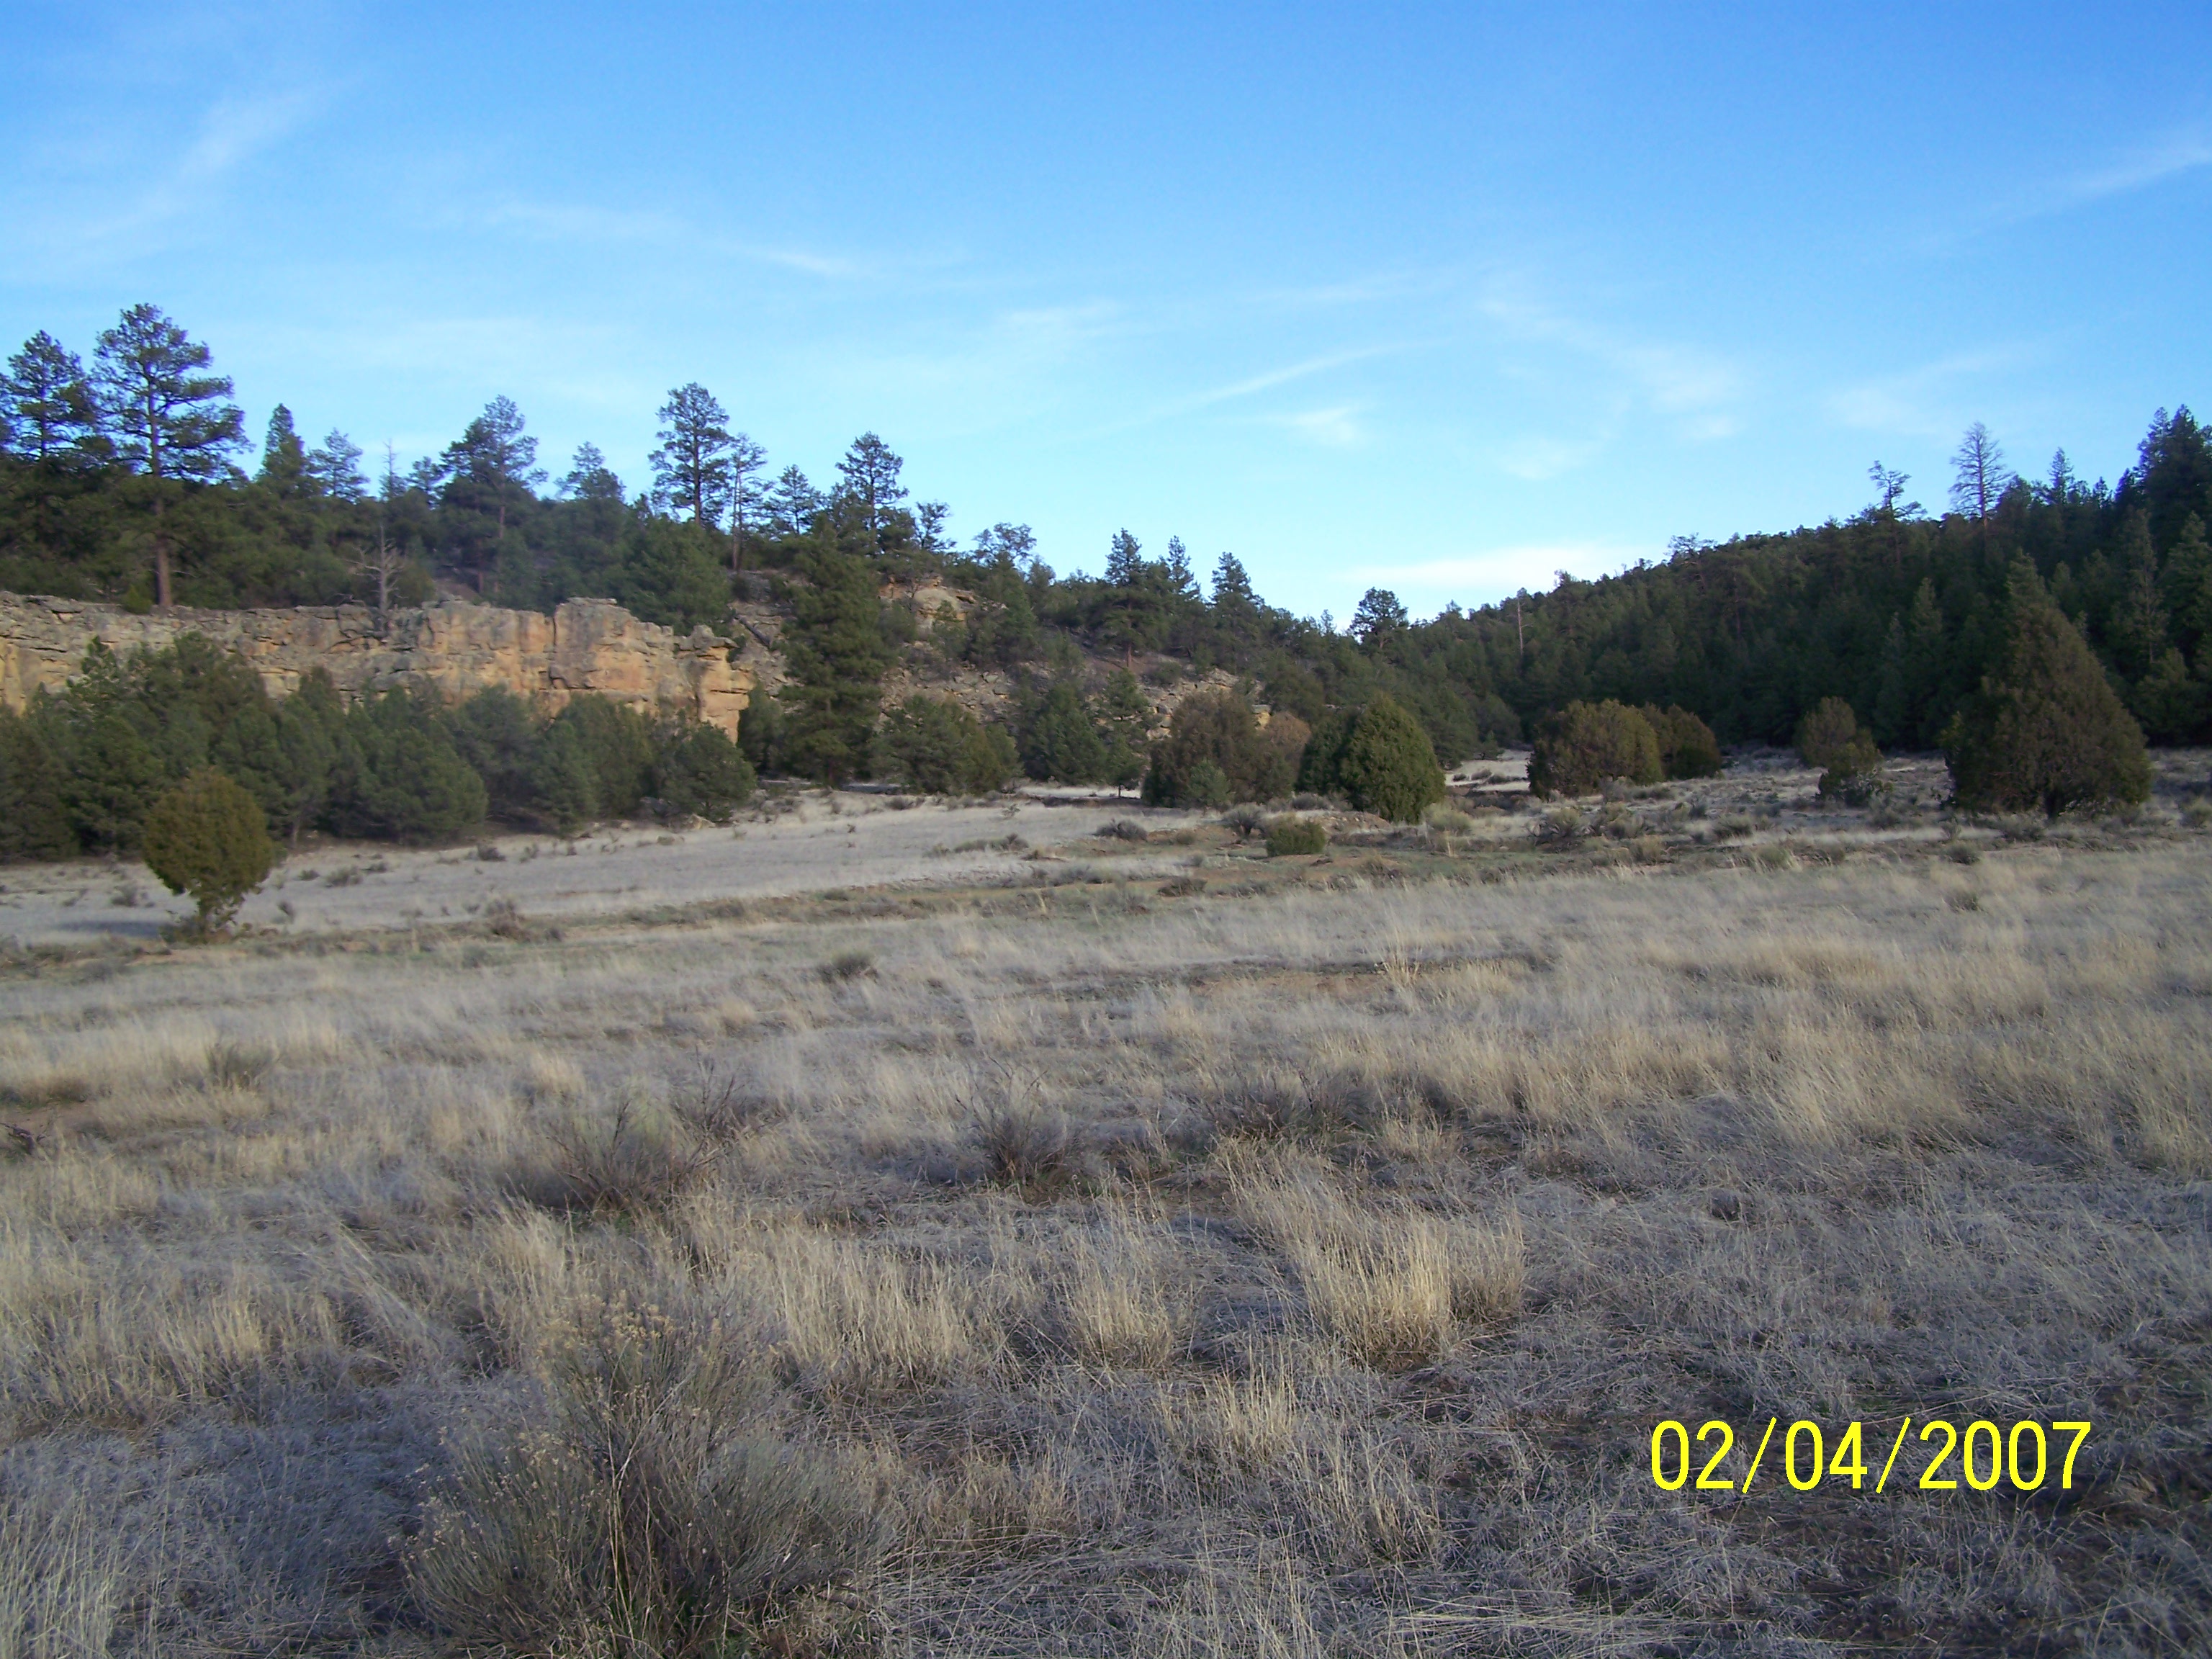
[805, 1241]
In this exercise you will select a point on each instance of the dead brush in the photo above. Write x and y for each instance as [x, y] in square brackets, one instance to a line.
[636, 1163]
[717, 1105]
[1024, 1142]
[1026, 1146]
[846, 966]
[503, 919]
[238, 1065]
[645, 1510]
[1292, 1106]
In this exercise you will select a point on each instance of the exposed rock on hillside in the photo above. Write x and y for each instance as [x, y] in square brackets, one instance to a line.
[451, 649]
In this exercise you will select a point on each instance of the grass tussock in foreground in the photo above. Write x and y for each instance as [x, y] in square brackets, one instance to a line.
[1295, 1272]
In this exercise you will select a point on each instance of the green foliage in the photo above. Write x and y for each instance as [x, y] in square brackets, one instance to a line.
[1586, 745]
[1214, 754]
[2169, 702]
[1290, 835]
[836, 656]
[1321, 767]
[760, 734]
[1687, 748]
[1061, 740]
[1854, 771]
[493, 730]
[941, 748]
[563, 783]
[2045, 730]
[700, 772]
[207, 837]
[1825, 732]
[1897, 613]
[675, 575]
[397, 776]
[617, 746]
[1388, 766]
[33, 822]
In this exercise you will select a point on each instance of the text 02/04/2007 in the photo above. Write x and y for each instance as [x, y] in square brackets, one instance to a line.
[1986, 1454]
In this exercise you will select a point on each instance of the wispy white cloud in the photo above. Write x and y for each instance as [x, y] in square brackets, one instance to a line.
[1926, 402]
[1700, 387]
[2181, 151]
[568, 222]
[62, 223]
[1535, 460]
[1275, 377]
[1332, 429]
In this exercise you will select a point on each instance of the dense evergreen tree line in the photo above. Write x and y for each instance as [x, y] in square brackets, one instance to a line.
[120, 479]
[79, 772]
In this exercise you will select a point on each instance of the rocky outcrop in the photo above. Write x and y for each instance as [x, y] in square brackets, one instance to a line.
[450, 648]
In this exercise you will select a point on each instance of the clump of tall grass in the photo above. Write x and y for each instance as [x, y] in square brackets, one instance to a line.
[642, 1507]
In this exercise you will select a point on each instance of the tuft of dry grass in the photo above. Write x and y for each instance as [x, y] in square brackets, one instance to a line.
[640, 1506]
[1390, 1284]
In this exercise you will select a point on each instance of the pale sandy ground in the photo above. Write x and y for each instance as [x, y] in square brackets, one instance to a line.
[823, 843]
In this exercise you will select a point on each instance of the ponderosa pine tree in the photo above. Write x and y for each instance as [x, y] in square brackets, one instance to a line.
[692, 466]
[48, 409]
[2046, 731]
[168, 419]
[870, 475]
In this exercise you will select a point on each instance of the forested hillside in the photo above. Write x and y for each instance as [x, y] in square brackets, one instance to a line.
[128, 480]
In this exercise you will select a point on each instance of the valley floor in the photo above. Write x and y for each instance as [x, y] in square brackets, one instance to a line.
[1151, 1248]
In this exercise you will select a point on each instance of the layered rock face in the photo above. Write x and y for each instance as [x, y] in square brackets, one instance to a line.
[451, 649]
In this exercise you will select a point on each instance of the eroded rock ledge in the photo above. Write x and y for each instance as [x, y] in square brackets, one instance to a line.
[451, 649]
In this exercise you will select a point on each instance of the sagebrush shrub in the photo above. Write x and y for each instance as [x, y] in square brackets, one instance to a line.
[1290, 836]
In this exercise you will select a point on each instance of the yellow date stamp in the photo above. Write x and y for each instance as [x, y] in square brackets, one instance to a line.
[1985, 1455]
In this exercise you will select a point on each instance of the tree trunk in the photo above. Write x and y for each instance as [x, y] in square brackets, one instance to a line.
[162, 594]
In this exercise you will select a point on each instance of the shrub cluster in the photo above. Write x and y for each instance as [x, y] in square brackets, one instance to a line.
[1585, 745]
[1687, 747]
[1216, 752]
[1832, 738]
[941, 748]
[82, 770]
[1379, 758]
[1290, 835]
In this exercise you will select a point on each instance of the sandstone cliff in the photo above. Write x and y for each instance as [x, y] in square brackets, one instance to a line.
[452, 649]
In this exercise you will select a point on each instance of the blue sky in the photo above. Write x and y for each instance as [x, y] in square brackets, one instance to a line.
[1442, 298]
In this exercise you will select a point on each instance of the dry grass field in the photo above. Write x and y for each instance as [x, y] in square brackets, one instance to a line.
[1288, 1257]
